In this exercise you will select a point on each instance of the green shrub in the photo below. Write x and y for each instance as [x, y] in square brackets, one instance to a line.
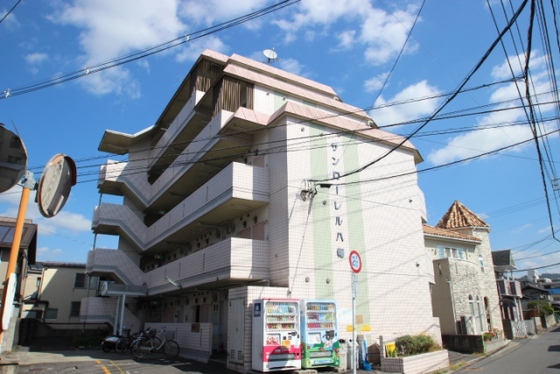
[409, 345]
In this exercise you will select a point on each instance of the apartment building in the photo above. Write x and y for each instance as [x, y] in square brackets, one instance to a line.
[257, 183]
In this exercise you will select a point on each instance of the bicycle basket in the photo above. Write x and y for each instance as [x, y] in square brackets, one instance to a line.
[170, 335]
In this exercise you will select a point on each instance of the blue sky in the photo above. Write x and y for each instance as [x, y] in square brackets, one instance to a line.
[403, 61]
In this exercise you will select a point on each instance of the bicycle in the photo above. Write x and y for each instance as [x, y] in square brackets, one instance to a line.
[169, 347]
[124, 344]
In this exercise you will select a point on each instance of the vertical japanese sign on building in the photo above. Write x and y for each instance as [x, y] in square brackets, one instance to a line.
[337, 196]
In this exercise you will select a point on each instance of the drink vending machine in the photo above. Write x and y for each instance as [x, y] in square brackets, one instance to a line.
[319, 334]
[276, 335]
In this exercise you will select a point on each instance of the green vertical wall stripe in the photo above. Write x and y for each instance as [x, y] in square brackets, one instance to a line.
[322, 249]
[356, 225]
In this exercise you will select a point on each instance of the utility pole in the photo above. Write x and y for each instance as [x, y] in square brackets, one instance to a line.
[9, 284]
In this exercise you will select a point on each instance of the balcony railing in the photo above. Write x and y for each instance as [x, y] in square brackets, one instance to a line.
[237, 182]
[109, 261]
[233, 259]
[508, 287]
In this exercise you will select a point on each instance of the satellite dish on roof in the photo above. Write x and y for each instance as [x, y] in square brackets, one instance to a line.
[270, 54]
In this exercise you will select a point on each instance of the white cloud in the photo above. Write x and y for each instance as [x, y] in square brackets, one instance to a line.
[45, 253]
[291, 65]
[111, 29]
[383, 34]
[516, 64]
[209, 12]
[346, 39]
[10, 22]
[375, 83]
[193, 49]
[35, 58]
[68, 222]
[388, 114]
[478, 142]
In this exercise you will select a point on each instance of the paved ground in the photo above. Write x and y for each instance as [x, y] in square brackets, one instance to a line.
[96, 361]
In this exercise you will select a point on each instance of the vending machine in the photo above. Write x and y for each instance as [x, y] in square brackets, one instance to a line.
[276, 335]
[319, 334]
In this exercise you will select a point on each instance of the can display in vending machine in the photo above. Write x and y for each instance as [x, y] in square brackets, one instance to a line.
[319, 333]
[276, 343]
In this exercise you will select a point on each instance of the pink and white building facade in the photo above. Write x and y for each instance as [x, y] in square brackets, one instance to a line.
[257, 183]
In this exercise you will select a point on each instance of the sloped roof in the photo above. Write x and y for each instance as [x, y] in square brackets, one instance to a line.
[459, 216]
[446, 233]
[28, 236]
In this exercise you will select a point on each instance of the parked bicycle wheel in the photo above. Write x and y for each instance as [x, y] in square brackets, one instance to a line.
[171, 349]
[123, 345]
[141, 348]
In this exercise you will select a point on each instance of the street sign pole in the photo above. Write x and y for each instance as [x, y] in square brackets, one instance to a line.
[354, 294]
[5, 311]
[356, 266]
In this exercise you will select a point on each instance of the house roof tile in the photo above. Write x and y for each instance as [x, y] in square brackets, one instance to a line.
[447, 233]
[459, 216]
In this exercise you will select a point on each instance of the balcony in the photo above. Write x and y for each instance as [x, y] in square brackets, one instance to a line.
[178, 135]
[509, 288]
[103, 262]
[233, 261]
[204, 157]
[229, 262]
[236, 190]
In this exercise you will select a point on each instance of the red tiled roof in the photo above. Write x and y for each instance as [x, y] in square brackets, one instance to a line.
[459, 216]
[446, 233]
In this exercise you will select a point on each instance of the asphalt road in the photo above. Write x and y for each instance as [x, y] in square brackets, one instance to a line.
[539, 354]
[95, 361]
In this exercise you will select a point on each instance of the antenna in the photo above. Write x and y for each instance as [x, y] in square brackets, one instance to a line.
[270, 54]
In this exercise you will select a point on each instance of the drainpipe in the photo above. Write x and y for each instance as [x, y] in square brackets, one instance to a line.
[122, 314]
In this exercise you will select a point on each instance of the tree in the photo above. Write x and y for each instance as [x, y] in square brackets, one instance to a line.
[543, 307]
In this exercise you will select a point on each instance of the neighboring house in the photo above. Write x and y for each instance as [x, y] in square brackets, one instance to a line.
[258, 183]
[464, 294]
[532, 292]
[510, 293]
[54, 291]
[26, 256]
[553, 287]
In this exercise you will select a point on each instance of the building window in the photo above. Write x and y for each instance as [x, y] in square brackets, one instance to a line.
[34, 314]
[80, 280]
[481, 262]
[451, 252]
[75, 309]
[51, 313]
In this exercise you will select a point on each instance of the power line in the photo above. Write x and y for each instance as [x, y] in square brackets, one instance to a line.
[10, 11]
[441, 107]
[146, 52]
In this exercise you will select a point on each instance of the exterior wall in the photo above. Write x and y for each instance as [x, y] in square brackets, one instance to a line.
[308, 230]
[457, 279]
[442, 297]
[488, 276]
[55, 287]
[389, 237]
